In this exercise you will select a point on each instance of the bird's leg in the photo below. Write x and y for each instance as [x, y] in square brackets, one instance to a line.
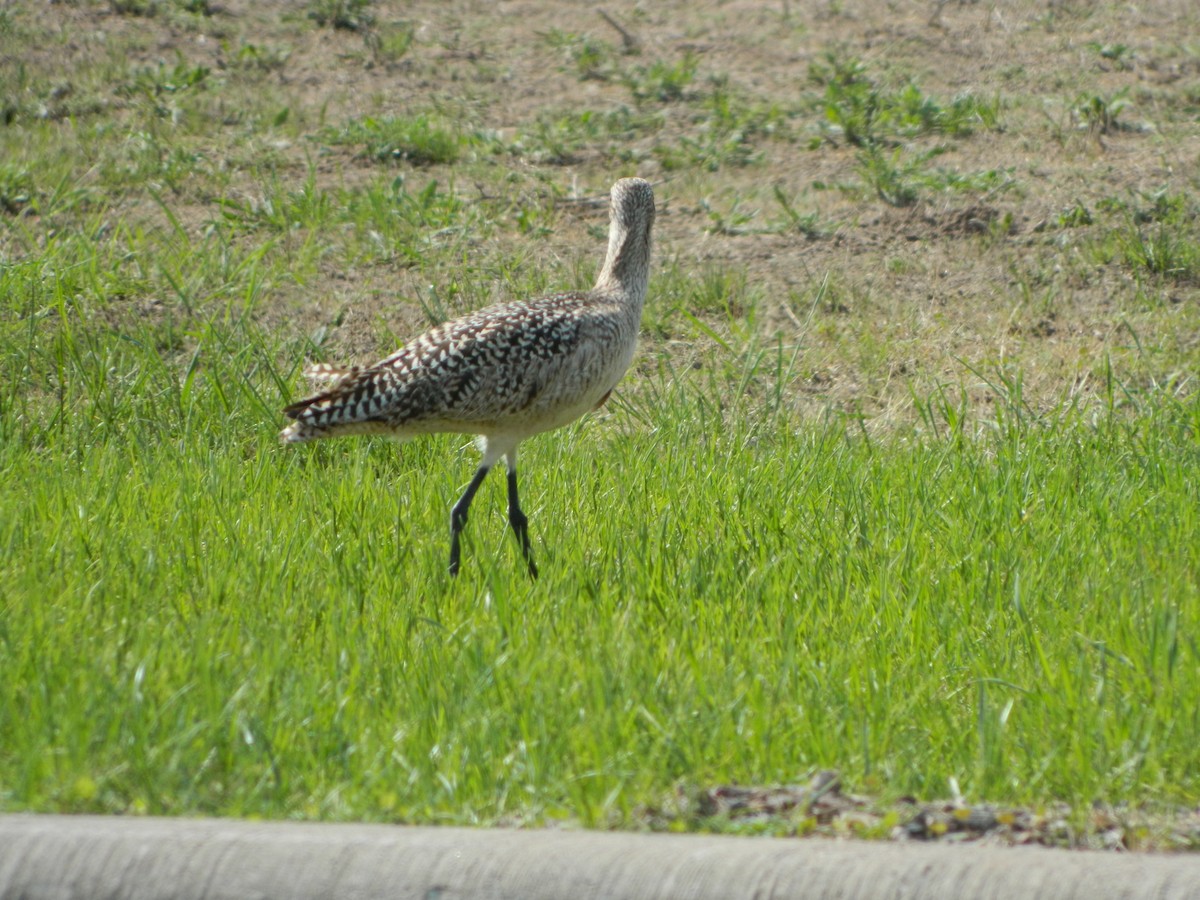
[458, 515]
[517, 519]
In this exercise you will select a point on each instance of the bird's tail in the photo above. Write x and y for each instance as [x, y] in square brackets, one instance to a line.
[313, 427]
[319, 375]
[299, 433]
[348, 404]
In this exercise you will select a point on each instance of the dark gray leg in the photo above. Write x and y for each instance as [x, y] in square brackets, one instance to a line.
[458, 515]
[520, 523]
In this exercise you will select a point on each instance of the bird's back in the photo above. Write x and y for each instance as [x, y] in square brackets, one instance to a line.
[522, 367]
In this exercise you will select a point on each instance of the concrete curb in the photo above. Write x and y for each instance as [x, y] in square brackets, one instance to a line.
[63, 857]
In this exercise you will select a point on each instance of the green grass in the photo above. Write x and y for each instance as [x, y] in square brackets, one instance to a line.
[351, 15]
[830, 519]
[196, 619]
[661, 81]
[863, 112]
[414, 139]
[1155, 234]
[900, 181]
[563, 137]
[588, 58]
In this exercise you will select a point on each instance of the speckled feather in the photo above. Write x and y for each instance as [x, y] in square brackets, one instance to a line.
[504, 372]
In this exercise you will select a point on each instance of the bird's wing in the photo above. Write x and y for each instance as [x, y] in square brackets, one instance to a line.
[481, 367]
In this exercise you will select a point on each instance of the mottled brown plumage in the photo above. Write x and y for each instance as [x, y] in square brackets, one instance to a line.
[505, 372]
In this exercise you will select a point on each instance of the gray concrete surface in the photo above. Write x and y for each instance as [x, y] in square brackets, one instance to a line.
[65, 857]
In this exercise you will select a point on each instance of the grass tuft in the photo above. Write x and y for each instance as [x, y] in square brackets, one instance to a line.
[415, 139]
[350, 15]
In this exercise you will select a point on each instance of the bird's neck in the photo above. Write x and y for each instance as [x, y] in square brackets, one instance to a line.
[627, 266]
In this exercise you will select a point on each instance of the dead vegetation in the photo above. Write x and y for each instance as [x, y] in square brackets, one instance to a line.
[822, 807]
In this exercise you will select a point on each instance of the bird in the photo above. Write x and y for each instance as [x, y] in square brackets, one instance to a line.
[503, 373]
